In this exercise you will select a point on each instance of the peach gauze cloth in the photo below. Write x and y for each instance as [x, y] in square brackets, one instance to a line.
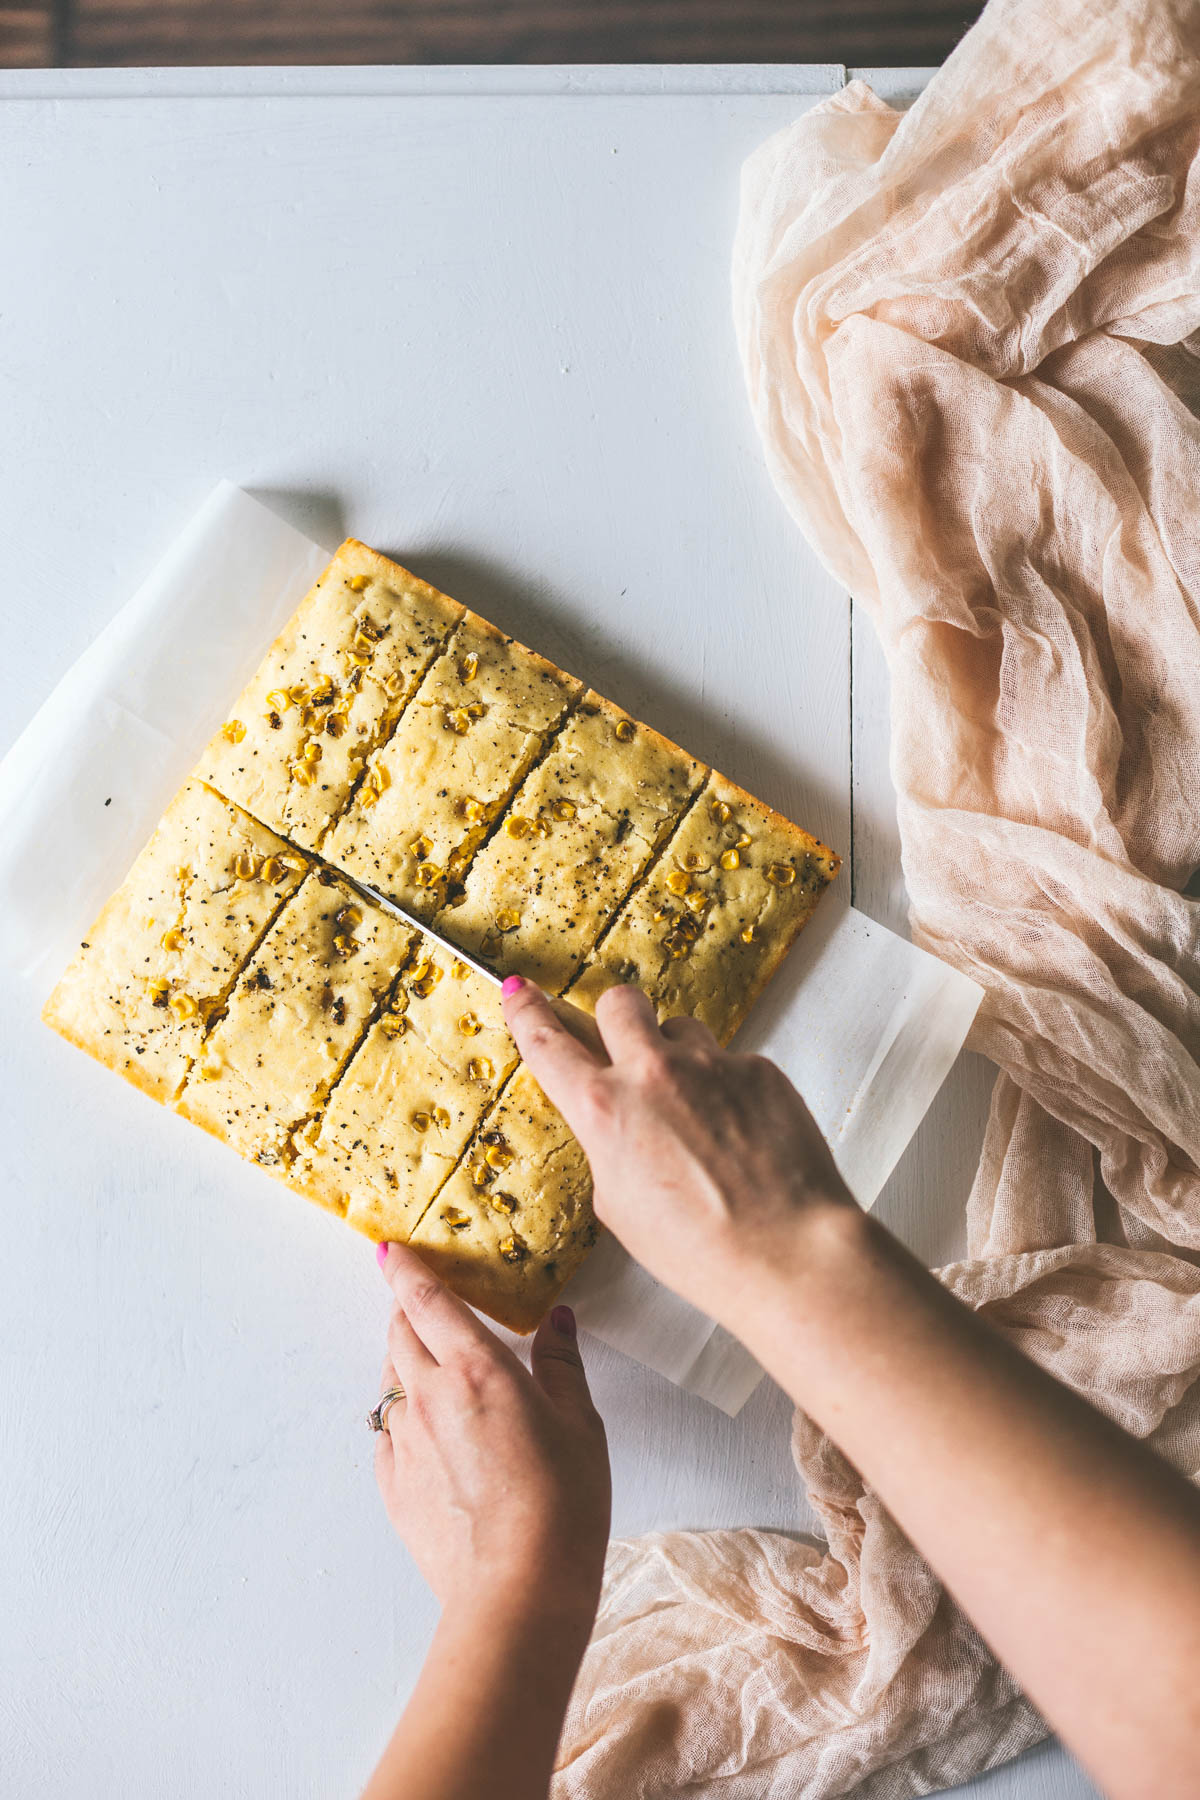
[971, 342]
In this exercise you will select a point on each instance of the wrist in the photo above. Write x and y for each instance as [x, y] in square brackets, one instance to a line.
[516, 1612]
[796, 1271]
[521, 1637]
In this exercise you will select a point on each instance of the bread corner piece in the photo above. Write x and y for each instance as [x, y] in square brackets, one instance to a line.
[163, 955]
[328, 693]
[716, 914]
[515, 1220]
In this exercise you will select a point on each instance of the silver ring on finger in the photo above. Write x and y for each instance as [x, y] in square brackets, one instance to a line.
[377, 1417]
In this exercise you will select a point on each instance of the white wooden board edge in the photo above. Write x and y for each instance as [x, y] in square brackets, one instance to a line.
[582, 79]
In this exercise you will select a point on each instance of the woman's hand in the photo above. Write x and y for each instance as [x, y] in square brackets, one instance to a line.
[709, 1168]
[704, 1163]
[496, 1479]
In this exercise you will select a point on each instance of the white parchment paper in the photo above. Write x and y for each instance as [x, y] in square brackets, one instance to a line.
[866, 1025]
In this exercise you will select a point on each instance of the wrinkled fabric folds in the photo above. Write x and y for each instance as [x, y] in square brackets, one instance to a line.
[971, 338]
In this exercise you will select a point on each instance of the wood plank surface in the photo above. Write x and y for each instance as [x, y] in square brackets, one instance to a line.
[27, 37]
[114, 33]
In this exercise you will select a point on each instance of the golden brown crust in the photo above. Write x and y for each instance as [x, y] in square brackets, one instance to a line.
[328, 693]
[165, 951]
[147, 1080]
[514, 1221]
[716, 913]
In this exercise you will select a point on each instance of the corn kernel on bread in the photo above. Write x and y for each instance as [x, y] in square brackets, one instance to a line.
[296, 1014]
[479, 719]
[716, 913]
[400, 1118]
[328, 692]
[161, 959]
[581, 828]
[514, 1221]
[426, 753]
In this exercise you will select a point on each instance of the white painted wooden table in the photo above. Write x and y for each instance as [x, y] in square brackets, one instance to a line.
[480, 318]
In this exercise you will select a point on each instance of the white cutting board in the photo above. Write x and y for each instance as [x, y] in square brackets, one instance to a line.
[479, 318]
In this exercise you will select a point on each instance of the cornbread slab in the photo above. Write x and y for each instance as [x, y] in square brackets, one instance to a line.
[515, 1220]
[158, 964]
[581, 828]
[406, 743]
[328, 692]
[400, 1118]
[482, 715]
[297, 1012]
[716, 914]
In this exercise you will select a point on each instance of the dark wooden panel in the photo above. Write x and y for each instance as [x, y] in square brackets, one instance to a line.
[27, 37]
[470, 31]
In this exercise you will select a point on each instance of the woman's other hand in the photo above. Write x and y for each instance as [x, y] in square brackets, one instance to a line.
[495, 1477]
[497, 1480]
[704, 1162]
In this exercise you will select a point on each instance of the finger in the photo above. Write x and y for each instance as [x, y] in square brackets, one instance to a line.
[441, 1322]
[581, 1025]
[385, 1449]
[555, 1055]
[628, 1023]
[692, 1033]
[555, 1361]
[389, 1378]
[385, 1458]
[410, 1356]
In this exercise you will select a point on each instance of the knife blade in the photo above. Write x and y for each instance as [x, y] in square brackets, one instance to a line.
[374, 898]
[581, 1025]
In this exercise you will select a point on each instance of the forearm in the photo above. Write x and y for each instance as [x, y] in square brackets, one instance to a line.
[1075, 1551]
[492, 1696]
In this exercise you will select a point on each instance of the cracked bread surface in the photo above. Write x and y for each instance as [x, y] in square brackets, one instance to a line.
[478, 721]
[514, 1221]
[298, 1010]
[401, 1116]
[716, 914]
[166, 949]
[581, 828]
[328, 693]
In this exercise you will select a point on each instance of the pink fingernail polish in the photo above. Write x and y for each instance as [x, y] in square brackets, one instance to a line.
[563, 1319]
[511, 983]
[381, 1251]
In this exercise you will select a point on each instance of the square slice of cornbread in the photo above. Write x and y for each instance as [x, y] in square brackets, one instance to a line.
[479, 719]
[400, 1117]
[515, 1220]
[328, 693]
[293, 1019]
[165, 952]
[716, 914]
[581, 828]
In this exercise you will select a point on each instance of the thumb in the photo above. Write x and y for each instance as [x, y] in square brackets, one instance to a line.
[555, 1361]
